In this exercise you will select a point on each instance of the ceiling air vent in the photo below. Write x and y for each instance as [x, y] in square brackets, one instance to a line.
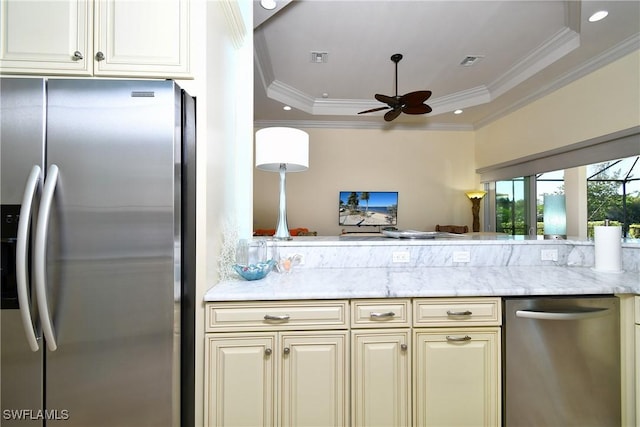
[319, 57]
[470, 60]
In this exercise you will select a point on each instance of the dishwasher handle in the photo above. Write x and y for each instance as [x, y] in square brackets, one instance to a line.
[566, 315]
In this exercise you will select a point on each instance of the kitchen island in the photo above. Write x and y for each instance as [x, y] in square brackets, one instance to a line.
[403, 332]
[464, 265]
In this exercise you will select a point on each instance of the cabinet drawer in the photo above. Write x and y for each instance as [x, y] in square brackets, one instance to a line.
[380, 313]
[457, 311]
[277, 315]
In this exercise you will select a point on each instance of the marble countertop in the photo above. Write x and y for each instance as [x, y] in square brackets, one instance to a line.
[443, 239]
[343, 283]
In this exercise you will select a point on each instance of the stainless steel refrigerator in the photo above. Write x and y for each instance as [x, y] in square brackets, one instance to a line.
[98, 252]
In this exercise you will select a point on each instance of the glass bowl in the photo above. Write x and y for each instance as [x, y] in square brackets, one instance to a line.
[254, 271]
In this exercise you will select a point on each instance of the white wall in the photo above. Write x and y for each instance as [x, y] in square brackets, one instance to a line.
[430, 170]
[222, 54]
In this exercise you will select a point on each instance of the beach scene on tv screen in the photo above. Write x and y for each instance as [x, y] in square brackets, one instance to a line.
[372, 208]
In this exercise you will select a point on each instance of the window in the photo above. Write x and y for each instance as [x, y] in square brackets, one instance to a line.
[512, 206]
[613, 193]
[546, 183]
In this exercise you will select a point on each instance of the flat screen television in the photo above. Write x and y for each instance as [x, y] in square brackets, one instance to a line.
[368, 208]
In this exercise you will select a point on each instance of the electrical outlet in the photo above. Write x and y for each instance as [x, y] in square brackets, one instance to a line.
[401, 256]
[461, 256]
[549, 255]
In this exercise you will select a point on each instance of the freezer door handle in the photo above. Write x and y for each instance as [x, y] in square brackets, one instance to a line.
[566, 315]
[40, 256]
[22, 247]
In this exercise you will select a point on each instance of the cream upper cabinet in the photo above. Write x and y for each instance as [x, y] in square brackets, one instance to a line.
[106, 38]
[142, 38]
[46, 37]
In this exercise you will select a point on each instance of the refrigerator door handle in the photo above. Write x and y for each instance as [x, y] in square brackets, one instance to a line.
[569, 315]
[22, 246]
[40, 256]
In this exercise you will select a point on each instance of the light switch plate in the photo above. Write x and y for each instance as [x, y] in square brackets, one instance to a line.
[461, 256]
[401, 256]
[548, 255]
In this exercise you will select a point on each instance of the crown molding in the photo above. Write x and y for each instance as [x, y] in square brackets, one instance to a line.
[624, 48]
[233, 15]
[356, 124]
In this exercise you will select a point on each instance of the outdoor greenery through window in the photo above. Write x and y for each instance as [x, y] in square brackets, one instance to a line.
[512, 206]
[613, 193]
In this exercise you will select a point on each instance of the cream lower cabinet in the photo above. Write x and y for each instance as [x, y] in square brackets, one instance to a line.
[456, 377]
[637, 359]
[457, 362]
[274, 376]
[381, 363]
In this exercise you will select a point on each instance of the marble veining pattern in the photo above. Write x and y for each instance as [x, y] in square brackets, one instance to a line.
[337, 283]
[498, 266]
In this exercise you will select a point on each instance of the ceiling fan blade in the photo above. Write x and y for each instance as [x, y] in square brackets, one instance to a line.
[392, 114]
[416, 109]
[374, 109]
[415, 98]
[389, 100]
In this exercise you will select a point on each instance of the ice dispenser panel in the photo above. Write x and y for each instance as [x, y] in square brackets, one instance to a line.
[8, 291]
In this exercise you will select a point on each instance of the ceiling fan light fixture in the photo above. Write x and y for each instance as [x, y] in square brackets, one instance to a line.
[598, 16]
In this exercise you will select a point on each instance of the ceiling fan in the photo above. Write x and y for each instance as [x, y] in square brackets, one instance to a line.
[410, 103]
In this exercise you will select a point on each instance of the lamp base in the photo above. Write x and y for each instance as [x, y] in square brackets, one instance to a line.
[555, 236]
[282, 238]
[282, 230]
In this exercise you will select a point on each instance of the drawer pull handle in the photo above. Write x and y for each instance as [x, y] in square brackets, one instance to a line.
[283, 317]
[458, 339]
[382, 315]
[403, 347]
[268, 351]
[459, 313]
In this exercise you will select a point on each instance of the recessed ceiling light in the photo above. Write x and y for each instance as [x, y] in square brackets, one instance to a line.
[457, 112]
[268, 4]
[601, 14]
[286, 108]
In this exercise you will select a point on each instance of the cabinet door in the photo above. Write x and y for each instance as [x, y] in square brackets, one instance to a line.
[240, 379]
[381, 377]
[42, 36]
[314, 375]
[637, 367]
[142, 38]
[457, 377]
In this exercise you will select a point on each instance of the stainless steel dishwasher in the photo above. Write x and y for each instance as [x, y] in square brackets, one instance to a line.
[561, 361]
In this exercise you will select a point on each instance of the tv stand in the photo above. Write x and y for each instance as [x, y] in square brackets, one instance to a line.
[377, 232]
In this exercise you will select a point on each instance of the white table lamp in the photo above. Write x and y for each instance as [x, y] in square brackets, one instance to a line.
[280, 149]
